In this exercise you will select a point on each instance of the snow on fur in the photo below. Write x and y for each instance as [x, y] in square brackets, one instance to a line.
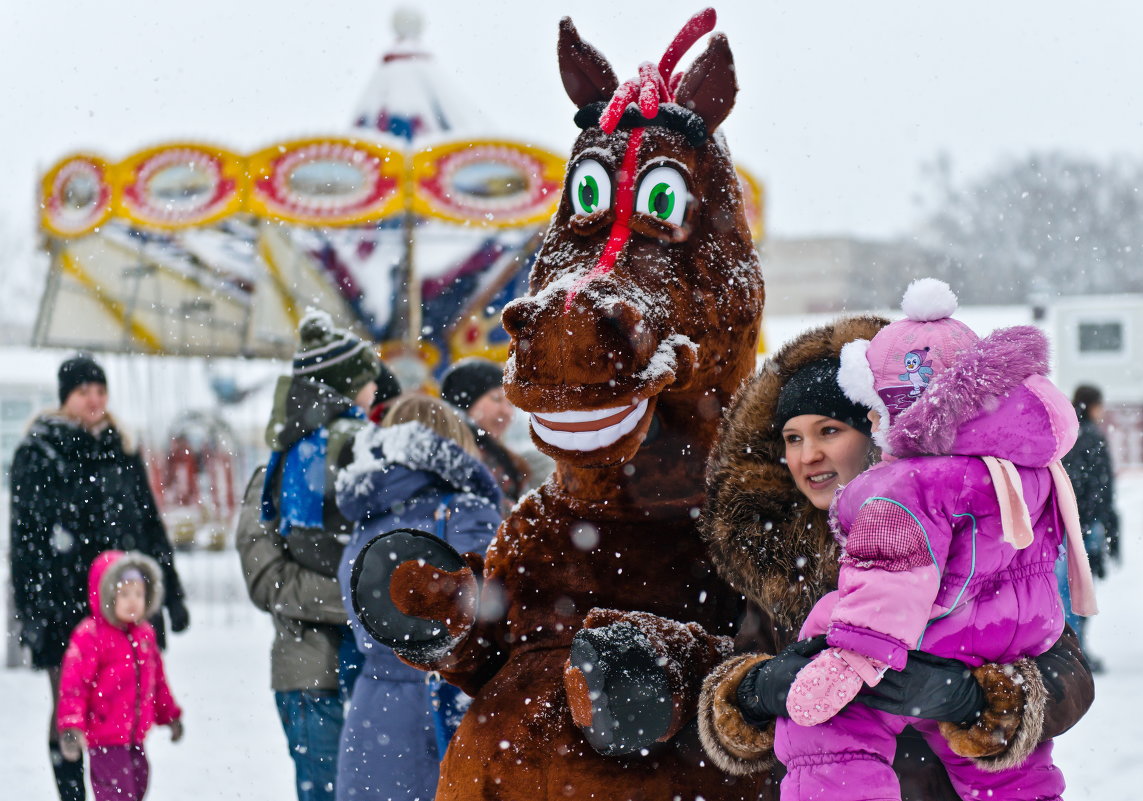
[665, 359]
[976, 381]
[411, 445]
[928, 299]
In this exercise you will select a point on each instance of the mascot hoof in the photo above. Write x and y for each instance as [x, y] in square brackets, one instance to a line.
[370, 583]
[617, 689]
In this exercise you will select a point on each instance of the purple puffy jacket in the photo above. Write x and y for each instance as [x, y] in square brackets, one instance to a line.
[934, 553]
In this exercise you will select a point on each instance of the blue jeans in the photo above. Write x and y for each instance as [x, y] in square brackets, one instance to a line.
[1093, 542]
[312, 720]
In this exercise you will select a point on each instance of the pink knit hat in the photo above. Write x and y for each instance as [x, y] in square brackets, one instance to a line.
[890, 372]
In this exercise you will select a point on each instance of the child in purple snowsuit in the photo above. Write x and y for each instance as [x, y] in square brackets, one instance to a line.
[948, 546]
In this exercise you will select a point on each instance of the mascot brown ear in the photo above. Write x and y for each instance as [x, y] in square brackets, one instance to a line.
[587, 75]
[709, 86]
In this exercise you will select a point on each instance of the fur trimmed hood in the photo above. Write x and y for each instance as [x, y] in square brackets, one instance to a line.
[764, 537]
[993, 400]
[392, 464]
[106, 571]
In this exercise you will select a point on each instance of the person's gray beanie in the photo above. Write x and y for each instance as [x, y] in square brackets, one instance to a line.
[333, 356]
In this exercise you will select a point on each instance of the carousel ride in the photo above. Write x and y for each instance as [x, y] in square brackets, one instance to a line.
[405, 229]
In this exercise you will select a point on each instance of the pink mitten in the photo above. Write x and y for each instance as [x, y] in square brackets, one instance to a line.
[827, 684]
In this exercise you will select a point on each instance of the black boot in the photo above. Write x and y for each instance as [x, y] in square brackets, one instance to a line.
[69, 775]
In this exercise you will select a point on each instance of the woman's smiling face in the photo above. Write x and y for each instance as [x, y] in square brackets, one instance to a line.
[823, 453]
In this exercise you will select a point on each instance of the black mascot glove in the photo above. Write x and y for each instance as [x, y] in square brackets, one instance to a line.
[177, 612]
[763, 690]
[929, 687]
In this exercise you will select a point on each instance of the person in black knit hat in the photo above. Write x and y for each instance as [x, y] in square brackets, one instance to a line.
[475, 387]
[388, 388]
[79, 370]
[291, 536]
[467, 383]
[1089, 466]
[78, 488]
[814, 390]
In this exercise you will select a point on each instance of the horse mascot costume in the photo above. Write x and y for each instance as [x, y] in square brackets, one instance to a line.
[641, 322]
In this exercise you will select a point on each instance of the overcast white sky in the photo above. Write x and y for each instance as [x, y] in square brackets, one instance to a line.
[840, 102]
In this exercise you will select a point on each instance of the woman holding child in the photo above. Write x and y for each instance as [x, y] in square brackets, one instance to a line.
[789, 441]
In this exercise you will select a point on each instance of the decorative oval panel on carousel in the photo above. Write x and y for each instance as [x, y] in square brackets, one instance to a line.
[76, 195]
[326, 181]
[487, 182]
[179, 185]
[754, 200]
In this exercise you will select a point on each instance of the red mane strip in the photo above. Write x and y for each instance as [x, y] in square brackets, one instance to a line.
[625, 94]
[656, 85]
[697, 26]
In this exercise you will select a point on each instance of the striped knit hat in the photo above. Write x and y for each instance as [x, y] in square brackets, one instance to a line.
[332, 356]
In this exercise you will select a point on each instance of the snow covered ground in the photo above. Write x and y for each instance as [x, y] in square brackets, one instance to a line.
[234, 746]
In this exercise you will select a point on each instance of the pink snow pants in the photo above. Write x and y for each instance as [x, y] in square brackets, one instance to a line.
[850, 758]
[118, 772]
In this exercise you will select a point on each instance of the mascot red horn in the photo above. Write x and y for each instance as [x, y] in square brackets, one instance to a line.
[641, 322]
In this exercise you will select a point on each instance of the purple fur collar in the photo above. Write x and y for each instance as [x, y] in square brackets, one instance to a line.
[975, 382]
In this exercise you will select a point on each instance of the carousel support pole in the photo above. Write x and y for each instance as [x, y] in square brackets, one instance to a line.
[51, 292]
[411, 286]
[135, 275]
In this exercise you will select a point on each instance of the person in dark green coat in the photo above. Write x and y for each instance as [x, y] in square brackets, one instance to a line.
[291, 548]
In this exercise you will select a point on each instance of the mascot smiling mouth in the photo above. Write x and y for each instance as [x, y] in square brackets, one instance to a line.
[602, 422]
[588, 430]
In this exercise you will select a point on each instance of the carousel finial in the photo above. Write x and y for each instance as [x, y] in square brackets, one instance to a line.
[408, 23]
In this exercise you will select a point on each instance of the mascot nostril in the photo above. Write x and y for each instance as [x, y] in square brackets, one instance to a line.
[585, 655]
[517, 316]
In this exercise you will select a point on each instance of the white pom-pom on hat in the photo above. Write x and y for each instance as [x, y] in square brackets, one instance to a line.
[928, 299]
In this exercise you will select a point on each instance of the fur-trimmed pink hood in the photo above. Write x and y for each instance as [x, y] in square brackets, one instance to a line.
[993, 400]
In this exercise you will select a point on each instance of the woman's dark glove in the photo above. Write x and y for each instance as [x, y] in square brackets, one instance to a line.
[929, 687]
[177, 611]
[762, 692]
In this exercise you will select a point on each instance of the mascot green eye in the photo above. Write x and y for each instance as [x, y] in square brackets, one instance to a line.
[589, 187]
[663, 193]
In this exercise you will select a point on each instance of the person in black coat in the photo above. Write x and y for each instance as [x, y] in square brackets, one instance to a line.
[475, 387]
[1088, 464]
[77, 490]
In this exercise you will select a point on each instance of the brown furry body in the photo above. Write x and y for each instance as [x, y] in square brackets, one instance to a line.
[672, 320]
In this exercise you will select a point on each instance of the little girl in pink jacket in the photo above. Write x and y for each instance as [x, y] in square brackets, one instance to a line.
[948, 546]
[112, 685]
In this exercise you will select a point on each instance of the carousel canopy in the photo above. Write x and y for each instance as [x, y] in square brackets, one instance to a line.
[395, 229]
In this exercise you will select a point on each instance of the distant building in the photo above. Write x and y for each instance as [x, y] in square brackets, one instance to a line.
[29, 387]
[1095, 339]
[1099, 340]
[837, 274]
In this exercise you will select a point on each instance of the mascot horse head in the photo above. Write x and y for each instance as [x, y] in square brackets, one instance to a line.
[646, 297]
